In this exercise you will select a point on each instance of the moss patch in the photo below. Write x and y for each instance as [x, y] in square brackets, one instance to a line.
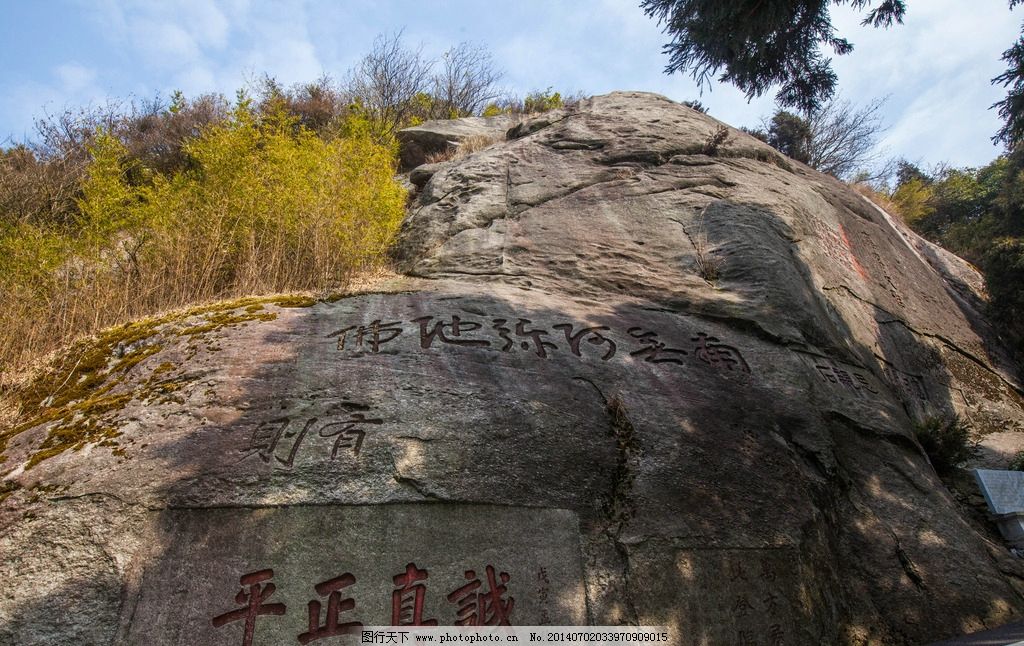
[7, 487]
[295, 301]
[219, 320]
[86, 384]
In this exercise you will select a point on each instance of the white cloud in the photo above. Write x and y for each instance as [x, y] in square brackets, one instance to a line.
[75, 78]
[935, 68]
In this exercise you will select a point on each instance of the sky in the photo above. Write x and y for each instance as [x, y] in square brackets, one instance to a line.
[934, 70]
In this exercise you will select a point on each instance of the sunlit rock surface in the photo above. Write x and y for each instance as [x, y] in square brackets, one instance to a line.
[639, 370]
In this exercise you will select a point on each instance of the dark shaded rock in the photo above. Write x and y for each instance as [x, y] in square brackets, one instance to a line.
[422, 174]
[681, 386]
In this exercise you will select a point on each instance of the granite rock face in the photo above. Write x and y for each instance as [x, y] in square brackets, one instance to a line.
[640, 368]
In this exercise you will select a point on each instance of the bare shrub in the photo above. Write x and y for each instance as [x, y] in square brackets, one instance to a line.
[466, 82]
[387, 81]
[316, 106]
[708, 265]
[155, 132]
[397, 86]
[838, 138]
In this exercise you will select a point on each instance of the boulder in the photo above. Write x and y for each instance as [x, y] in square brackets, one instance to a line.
[417, 142]
[639, 369]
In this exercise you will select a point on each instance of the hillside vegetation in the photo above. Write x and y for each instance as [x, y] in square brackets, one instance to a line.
[978, 214]
[120, 212]
[252, 202]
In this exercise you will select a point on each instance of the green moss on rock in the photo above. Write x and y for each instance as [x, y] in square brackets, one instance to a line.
[84, 387]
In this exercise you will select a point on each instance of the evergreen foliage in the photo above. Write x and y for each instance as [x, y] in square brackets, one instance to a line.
[769, 43]
[946, 441]
[762, 44]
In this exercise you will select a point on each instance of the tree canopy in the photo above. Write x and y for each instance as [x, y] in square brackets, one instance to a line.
[838, 138]
[760, 44]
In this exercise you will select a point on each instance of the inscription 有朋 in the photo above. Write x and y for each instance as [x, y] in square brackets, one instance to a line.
[278, 441]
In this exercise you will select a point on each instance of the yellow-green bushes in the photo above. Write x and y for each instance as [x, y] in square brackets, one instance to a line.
[262, 205]
[913, 200]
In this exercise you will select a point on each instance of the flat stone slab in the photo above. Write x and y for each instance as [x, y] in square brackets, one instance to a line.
[1003, 490]
[227, 571]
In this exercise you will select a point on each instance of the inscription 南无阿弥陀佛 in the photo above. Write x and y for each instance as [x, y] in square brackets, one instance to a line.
[509, 335]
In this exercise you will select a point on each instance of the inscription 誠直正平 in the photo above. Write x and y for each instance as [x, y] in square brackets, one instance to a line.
[312, 574]
[509, 335]
[477, 602]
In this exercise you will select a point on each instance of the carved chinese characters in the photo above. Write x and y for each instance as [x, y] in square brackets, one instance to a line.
[859, 383]
[316, 574]
[524, 335]
[908, 385]
[478, 603]
[408, 596]
[840, 377]
[332, 626]
[256, 589]
[483, 605]
[277, 441]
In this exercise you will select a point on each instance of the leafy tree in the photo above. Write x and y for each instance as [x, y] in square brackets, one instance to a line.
[906, 171]
[1011, 109]
[913, 200]
[759, 45]
[837, 138]
[791, 135]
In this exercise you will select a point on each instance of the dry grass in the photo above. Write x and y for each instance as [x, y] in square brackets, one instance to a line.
[708, 265]
[268, 211]
[464, 148]
[880, 200]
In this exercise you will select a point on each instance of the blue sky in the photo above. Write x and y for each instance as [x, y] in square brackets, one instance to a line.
[935, 69]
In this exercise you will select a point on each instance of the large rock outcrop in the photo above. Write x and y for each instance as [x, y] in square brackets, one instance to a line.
[640, 369]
